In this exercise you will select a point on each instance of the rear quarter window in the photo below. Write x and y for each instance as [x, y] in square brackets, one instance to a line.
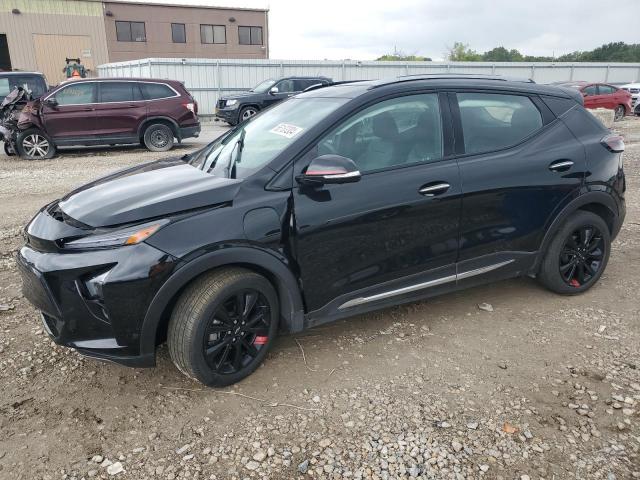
[493, 121]
[558, 105]
[155, 91]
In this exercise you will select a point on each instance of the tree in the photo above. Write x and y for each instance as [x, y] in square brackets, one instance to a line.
[460, 52]
[501, 54]
[400, 56]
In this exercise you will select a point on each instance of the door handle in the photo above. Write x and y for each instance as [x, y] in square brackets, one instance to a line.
[560, 165]
[433, 189]
[88, 109]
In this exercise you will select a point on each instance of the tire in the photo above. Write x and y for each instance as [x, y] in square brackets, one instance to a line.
[246, 113]
[563, 269]
[8, 151]
[34, 144]
[618, 113]
[158, 137]
[203, 320]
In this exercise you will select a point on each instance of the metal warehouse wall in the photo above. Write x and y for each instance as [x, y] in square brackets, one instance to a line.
[209, 79]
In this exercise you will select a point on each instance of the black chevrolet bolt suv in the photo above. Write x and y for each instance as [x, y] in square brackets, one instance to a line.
[341, 200]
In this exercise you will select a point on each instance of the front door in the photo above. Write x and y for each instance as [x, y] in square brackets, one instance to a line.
[520, 166]
[73, 115]
[120, 110]
[286, 88]
[398, 222]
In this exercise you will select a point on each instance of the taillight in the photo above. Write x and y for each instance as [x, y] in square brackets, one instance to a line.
[191, 107]
[614, 143]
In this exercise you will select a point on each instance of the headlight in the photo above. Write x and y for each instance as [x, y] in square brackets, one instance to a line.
[230, 103]
[126, 236]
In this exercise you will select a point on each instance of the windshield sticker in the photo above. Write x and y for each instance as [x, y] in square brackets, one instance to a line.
[286, 130]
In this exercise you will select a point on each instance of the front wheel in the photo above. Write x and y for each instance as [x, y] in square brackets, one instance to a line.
[223, 325]
[246, 113]
[158, 137]
[618, 113]
[34, 144]
[577, 255]
[8, 149]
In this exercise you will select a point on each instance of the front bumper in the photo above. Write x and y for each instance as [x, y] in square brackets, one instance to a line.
[95, 301]
[229, 115]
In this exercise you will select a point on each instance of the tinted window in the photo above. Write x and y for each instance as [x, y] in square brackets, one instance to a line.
[250, 35]
[399, 131]
[590, 90]
[119, 92]
[605, 90]
[493, 121]
[301, 84]
[130, 32]
[559, 105]
[178, 33]
[77, 94]
[285, 86]
[153, 91]
[213, 34]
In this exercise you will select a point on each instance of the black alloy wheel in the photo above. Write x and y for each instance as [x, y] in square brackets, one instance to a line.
[237, 332]
[582, 256]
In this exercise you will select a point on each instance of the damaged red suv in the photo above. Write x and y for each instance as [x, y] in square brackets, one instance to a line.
[108, 112]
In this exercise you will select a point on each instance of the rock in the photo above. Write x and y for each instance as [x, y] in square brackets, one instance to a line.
[183, 449]
[325, 442]
[260, 455]
[252, 465]
[487, 307]
[97, 459]
[115, 468]
[472, 425]
[525, 477]
[92, 473]
[303, 467]
[484, 467]
[105, 463]
[457, 446]
[316, 399]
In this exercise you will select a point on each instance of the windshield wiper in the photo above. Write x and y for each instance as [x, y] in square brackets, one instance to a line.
[233, 160]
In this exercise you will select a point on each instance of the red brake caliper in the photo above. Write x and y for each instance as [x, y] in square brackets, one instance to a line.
[574, 283]
[260, 340]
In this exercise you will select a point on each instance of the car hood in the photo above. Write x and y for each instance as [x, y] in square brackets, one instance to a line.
[239, 96]
[147, 191]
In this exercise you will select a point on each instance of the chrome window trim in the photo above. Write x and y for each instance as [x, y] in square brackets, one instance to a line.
[419, 286]
[177, 94]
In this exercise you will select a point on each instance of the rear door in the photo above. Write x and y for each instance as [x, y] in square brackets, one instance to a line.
[73, 118]
[120, 110]
[395, 228]
[519, 166]
[607, 97]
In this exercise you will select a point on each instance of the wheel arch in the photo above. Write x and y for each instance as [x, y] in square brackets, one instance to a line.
[600, 203]
[170, 122]
[274, 269]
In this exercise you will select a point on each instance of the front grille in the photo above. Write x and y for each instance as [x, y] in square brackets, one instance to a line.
[221, 103]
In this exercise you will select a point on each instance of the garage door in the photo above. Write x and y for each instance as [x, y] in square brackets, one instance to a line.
[52, 50]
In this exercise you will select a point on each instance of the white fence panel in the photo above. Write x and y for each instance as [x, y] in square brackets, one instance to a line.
[209, 79]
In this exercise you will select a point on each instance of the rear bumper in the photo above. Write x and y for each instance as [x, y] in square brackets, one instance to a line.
[191, 131]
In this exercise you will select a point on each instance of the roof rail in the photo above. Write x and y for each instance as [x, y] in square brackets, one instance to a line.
[330, 84]
[451, 76]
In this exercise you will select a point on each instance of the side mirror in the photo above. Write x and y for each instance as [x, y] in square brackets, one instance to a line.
[51, 101]
[273, 90]
[329, 169]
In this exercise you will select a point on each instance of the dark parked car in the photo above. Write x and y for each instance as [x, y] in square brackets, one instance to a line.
[234, 109]
[601, 95]
[33, 82]
[108, 112]
[336, 202]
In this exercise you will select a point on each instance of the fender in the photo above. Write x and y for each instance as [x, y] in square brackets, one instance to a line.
[149, 120]
[601, 198]
[291, 306]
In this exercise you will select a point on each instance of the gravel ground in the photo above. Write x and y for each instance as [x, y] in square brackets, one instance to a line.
[504, 381]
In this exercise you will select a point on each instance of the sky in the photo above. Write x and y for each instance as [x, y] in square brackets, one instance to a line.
[365, 30]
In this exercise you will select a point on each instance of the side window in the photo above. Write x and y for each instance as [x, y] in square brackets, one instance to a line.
[119, 92]
[493, 121]
[301, 83]
[78, 94]
[399, 131]
[285, 86]
[590, 90]
[605, 90]
[154, 91]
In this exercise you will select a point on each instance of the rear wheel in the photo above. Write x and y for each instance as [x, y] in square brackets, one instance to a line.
[34, 144]
[158, 137]
[577, 255]
[223, 325]
[618, 113]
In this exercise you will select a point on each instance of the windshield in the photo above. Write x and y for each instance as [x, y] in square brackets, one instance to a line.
[34, 84]
[263, 87]
[253, 144]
